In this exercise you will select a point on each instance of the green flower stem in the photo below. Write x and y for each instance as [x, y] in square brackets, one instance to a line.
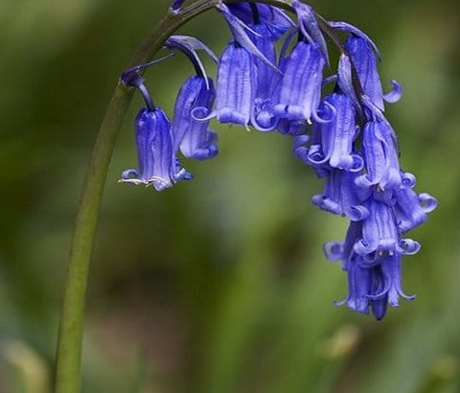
[72, 313]
[68, 359]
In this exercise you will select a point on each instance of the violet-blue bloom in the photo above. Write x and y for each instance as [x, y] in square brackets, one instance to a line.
[337, 135]
[376, 287]
[267, 81]
[267, 77]
[241, 34]
[236, 84]
[391, 288]
[381, 158]
[265, 118]
[371, 284]
[359, 286]
[313, 155]
[191, 136]
[359, 279]
[340, 197]
[379, 305]
[380, 233]
[345, 81]
[301, 86]
[411, 209]
[158, 165]
[363, 58]
[362, 52]
[255, 36]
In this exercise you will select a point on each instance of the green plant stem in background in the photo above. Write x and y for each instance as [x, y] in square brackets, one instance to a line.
[68, 359]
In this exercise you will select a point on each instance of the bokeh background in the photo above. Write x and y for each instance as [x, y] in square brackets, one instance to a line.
[217, 285]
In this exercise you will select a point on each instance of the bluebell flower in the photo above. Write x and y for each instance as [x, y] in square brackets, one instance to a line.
[241, 34]
[391, 288]
[267, 81]
[382, 163]
[359, 287]
[363, 57]
[236, 85]
[380, 233]
[411, 209]
[363, 54]
[335, 138]
[285, 126]
[374, 287]
[340, 197]
[347, 83]
[267, 76]
[253, 50]
[372, 283]
[300, 93]
[158, 165]
[386, 285]
[193, 137]
[359, 278]
[339, 134]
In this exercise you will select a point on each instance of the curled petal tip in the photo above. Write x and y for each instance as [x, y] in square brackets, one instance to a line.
[357, 213]
[409, 246]
[395, 94]
[333, 250]
[427, 202]
[408, 180]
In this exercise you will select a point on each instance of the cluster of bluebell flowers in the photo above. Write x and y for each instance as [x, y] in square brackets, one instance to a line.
[344, 136]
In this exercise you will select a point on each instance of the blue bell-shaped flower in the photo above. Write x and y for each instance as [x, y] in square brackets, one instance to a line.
[301, 85]
[193, 137]
[158, 165]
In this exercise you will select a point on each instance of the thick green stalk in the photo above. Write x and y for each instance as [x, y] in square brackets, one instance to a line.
[68, 360]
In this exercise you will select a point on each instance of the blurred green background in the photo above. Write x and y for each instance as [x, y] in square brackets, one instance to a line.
[217, 285]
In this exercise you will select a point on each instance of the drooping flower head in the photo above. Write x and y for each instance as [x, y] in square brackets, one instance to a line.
[193, 137]
[412, 209]
[300, 92]
[382, 164]
[364, 59]
[334, 139]
[364, 56]
[246, 68]
[158, 165]
[194, 104]
[268, 78]
[372, 283]
[344, 136]
[235, 85]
